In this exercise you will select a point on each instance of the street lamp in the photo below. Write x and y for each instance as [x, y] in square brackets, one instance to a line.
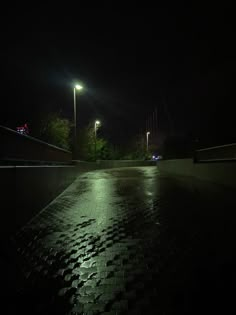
[96, 124]
[147, 134]
[77, 87]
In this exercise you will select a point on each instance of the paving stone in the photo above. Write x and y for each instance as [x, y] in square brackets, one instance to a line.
[107, 296]
[63, 291]
[122, 305]
[86, 299]
[104, 288]
[100, 249]
[76, 284]
[91, 307]
[109, 281]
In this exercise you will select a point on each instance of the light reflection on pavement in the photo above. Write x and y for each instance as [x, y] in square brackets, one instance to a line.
[124, 241]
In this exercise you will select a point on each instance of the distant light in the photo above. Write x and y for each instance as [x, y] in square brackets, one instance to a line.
[23, 129]
[78, 87]
[97, 122]
[148, 133]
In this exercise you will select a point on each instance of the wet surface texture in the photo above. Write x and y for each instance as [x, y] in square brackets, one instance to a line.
[126, 241]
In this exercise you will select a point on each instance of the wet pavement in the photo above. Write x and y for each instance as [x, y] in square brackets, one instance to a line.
[126, 241]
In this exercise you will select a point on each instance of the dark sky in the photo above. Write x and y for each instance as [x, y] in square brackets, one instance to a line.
[179, 58]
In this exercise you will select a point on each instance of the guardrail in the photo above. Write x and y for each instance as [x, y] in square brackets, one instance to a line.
[18, 147]
[225, 152]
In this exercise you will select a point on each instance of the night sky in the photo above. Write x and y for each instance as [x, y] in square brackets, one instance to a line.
[177, 59]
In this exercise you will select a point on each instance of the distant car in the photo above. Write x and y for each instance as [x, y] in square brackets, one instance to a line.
[158, 157]
[24, 130]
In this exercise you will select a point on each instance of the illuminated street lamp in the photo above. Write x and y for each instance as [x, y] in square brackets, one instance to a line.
[147, 134]
[77, 87]
[96, 124]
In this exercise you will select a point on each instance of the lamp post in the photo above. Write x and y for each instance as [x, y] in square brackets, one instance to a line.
[76, 87]
[96, 124]
[147, 134]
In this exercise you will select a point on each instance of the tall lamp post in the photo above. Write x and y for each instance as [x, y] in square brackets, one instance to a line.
[96, 124]
[77, 87]
[147, 134]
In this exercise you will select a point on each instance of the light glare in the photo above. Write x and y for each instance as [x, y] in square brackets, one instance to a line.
[78, 87]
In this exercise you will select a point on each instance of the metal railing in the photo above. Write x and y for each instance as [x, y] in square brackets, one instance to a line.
[18, 147]
[225, 152]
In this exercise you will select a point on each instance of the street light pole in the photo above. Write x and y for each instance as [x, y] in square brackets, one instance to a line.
[75, 140]
[97, 123]
[76, 87]
[147, 134]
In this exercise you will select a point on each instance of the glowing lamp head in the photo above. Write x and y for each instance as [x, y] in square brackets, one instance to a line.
[78, 87]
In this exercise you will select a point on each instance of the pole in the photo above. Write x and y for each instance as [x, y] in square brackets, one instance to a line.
[147, 141]
[75, 140]
[153, 123]
[95, 140]
[156, 124]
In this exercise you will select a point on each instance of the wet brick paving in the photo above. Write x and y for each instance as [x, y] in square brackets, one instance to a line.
[123, 241]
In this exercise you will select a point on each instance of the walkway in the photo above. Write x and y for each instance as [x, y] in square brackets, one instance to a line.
[126, 241]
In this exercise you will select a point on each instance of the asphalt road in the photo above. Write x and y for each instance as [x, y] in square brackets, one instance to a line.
[126, 241]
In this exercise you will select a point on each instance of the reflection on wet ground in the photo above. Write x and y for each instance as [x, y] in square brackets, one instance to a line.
[127, 241]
